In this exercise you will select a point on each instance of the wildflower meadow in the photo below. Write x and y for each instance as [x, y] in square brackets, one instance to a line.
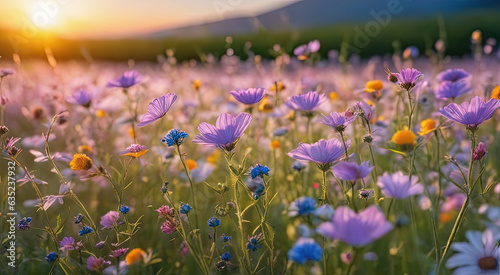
[295, 164]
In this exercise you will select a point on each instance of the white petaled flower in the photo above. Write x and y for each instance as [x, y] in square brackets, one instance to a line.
[480, 256]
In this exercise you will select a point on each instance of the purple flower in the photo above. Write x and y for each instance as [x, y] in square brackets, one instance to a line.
[452, 90]
[306, 49]
[452, 75]
[249, 96]
[109, 219]
[364, 109]
[338, 121]
[399, 186]
[6, 72]
[226, 132]
[97, 264]
[120, 252]
[10, 149]
[356, 229]
[167, 227]
[407, 78]
[472, 113]
[82, 97]
[157, 109]
[127, 80]
[67, 244]
[306, 102]
[351, 171]
[324, 152]
[480, 151]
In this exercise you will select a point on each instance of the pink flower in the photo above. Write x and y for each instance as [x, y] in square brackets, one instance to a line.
[109, 220]
[167, 227]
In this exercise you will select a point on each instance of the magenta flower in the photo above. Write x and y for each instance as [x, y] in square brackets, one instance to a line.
[5, 72]
[167, 227]
[308, 48]
[351, 171]
[249, 96]
[157, 109]
[480, 151]
[338, 121]
[226, 132]
[127, 80]
[407, 78]
[472, 113]
[120, 252]
[97, 264]
[109, 219]
[451, 90]
[356, 229]
[324, 152]
[399, 186]
[452, 75]
[306, 102]
[164, 211]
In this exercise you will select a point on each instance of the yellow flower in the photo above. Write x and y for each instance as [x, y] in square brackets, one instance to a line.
[265, 106]
[191, 164]
[476, 35]
[131, 132]
[275, 144]
[404, 137]
[280, 87]
[84, 149]
[134, 256]
[373, 86]
[136, 150]
[196, 84]
[100, 113]
[80, 162]
[427, 126]
[496, 92]
[334, 95]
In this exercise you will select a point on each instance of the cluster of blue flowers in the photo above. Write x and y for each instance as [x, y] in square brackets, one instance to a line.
[213, 222]
[185, 208]
[174, 137]
[52, 256]
[24, 223]
[85, 230]
[124, 209]
[259, 171]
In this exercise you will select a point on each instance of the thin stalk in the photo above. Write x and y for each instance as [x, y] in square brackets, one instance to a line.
[193, 194]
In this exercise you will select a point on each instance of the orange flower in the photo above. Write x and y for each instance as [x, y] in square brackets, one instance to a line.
[334, 95]
[191, 164]
[80, 162]
[373, 86]
[134, 256]
[427, 126]
[135, 150]
[496, 92]
[280, 87]
[404, 137]
[275, 144]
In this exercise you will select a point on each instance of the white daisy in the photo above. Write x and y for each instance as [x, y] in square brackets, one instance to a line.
[480, 255]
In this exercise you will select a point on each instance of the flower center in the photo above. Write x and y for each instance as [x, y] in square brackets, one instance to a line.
[487, 263]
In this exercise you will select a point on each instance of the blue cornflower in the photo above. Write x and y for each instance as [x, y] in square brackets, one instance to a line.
[124, 209]
[253, 242]
[78, 218]
[281, 131]
[185, 208]
[224, 238]
[302, 206]
[52, 256]
[260, 171]
[298, 166]
[225, 257]
[305, 249]
[24, 223]
[174, 137]
[213, 222]
[85, 230]
[258, 192]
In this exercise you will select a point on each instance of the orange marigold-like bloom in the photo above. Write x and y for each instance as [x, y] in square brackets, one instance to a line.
[134, 256]
[80, 162]
[404, 137]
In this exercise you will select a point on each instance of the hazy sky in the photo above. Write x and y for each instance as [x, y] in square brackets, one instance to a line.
[116, 18]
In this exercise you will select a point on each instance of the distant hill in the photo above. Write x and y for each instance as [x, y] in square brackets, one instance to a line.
[312, 13]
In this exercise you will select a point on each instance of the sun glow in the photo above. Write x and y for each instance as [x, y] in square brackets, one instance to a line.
[45, 15]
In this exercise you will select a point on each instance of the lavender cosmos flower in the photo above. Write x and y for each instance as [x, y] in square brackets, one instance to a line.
[407, 78]
[481, 255]
[351, 171]
[157, 109]
[97, 264]
[472, 113]
[304, 50]
[109, 219]
[67, 244]
[305, 249]
[399, 186]
[451, 90]
[226, 132]
[324, 152]
[127, 80]
[10, 149]
[452, 75]
[302, 206]
[120, 252]
[249, 96]
[356, 229]
[174, 137]
[306, 102]
[81, 97]
[338, 121]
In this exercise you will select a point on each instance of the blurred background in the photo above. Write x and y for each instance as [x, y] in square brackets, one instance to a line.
[147, 30]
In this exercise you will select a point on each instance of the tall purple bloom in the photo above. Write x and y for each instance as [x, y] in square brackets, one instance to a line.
[157, 109]
[81, 97]
[452, 75]
[399, 186]
[249, 96]
[407, 78]
[472, 113]
[324, 152]
[109, 219]
[351, 171]
[226, 132]
[338, 121]
[452, 90]
[127, 80]
[306, 102]
[356, 229]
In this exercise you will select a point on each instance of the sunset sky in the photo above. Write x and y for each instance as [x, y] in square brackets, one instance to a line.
[122, 18]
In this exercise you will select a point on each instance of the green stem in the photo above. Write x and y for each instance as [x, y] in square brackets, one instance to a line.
[323, 186]
[193, 194]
